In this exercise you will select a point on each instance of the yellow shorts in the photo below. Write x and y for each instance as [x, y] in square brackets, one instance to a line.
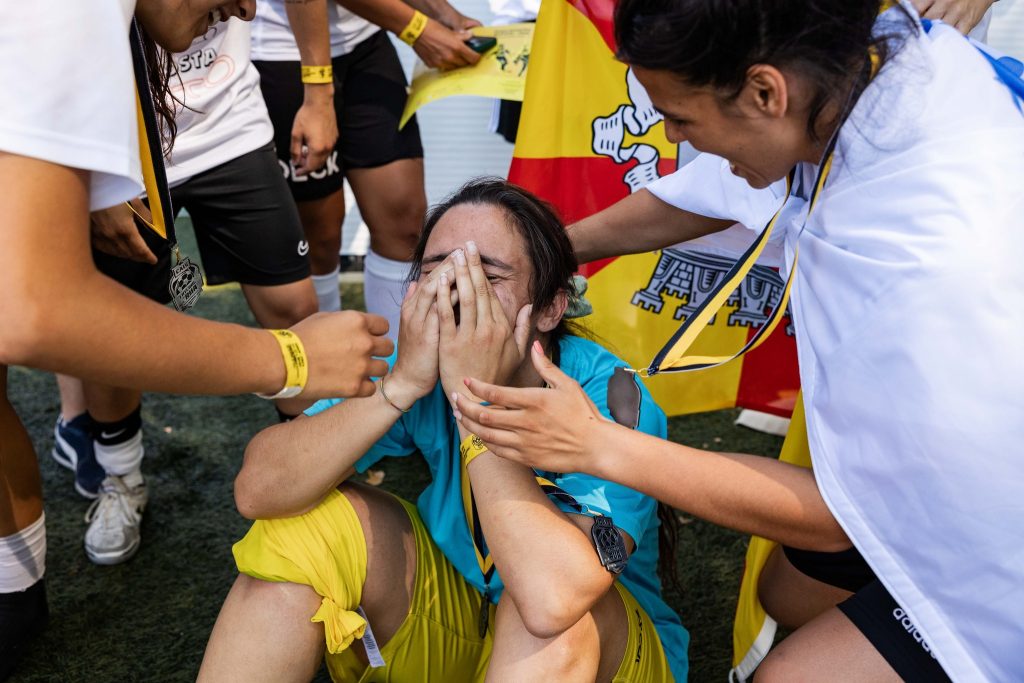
[439, 640]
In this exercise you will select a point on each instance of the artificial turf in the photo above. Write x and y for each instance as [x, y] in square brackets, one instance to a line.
[148, 619]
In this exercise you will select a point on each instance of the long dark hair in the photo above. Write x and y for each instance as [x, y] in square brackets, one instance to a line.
[554, 263]
[714, 42]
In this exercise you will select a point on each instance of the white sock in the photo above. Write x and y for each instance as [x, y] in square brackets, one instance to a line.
[122, 459]
[327, 292]
[384, 288]
[23, 557]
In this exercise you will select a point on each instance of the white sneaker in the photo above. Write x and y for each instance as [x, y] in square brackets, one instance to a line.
[114, 519]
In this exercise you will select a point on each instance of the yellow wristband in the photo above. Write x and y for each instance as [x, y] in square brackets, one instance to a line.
[295, 364]
[412, 32]
[471, 447]
[318, 74]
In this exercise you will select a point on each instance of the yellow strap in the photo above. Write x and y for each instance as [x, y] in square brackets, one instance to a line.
[294, 354]
[148, 174]
[318, 74]
[411, 33]
[470, 448]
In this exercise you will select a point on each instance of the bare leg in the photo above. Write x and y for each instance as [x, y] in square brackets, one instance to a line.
[264, 633]
[321, 221]
[282, 306]
[828, 648]
[21, 488]
[591, 650]
[392, 201]
[110, 404]
[791, 597]
[72, 396]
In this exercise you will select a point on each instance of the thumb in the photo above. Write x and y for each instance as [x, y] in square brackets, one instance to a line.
[548, 370]
[522, 331]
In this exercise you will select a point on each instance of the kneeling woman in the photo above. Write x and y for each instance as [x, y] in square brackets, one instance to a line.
[496, 572]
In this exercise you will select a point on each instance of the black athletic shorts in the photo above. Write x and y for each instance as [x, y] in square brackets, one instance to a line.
[873, 611]
[369, 97]
[246, 223]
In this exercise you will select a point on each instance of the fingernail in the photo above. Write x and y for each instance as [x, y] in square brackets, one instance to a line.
[466, 381]
[537, 347]
[458, 415]
[460, 257]
[455, 397]
[471, 246]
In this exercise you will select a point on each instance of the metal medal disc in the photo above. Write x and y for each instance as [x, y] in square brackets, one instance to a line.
[186, 284]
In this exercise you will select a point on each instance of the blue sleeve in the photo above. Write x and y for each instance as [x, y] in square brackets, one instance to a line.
[396, 442]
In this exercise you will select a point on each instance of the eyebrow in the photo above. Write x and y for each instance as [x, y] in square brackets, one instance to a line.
[486, 260]
[667, 115]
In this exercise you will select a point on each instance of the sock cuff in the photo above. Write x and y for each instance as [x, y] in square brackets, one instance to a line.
[328, 276]
[385, 268]
[112, 433]
[23, 557]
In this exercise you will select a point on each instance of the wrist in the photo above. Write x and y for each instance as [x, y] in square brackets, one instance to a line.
[318, 93]
[601, 461]
[400, 393]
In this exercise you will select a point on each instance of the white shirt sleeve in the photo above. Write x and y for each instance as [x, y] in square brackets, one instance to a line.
[707, 187]
[67, 87]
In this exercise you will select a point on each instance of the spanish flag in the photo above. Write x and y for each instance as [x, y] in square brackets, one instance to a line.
[589, 136]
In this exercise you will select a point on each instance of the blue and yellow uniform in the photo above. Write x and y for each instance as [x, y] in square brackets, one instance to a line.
[441, 634]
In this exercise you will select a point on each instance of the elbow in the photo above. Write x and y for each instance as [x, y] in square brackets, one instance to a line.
[550, 610]
[549, 618]
[245, 499]
[250, 498]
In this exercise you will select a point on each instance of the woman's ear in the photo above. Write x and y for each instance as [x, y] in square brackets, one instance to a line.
[548, 318]
[765, 93]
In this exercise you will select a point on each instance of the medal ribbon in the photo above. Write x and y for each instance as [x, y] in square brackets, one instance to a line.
[153, 175]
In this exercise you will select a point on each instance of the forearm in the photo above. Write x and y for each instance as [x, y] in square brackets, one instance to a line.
[308, 20]
[639, 223]
[290, 467]
[748, 493]
[435, 9]
[536, 547]
[391, 15]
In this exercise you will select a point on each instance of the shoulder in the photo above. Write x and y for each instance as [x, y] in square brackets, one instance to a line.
[592, 365]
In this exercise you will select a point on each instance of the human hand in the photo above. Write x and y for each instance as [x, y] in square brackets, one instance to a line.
[415, 371]
[442, 48]
[114, 232]
[314, 130]
[963, 15]
[557, 429]
[483, 344]
[341, 349]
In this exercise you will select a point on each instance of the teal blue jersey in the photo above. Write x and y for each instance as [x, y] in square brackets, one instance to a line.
[430, 429]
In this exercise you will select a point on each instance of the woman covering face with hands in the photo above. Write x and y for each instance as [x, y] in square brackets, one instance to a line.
[494, 573]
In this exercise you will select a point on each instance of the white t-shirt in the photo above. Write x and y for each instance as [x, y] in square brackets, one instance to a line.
[272, 38]
[225, 116]
[513, 11]
[907, 303]
[68, 91]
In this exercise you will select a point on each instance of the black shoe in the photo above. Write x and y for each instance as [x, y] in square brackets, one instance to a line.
[23, 616]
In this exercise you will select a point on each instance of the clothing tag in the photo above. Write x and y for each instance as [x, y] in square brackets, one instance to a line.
[186, 283]
[370, 643]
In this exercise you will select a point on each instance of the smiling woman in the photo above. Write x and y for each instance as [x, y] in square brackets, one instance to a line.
[901, 137]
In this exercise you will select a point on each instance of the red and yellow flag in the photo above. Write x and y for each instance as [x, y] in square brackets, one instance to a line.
[588, 137]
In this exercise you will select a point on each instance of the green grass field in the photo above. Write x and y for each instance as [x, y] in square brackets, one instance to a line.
[148, 619]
